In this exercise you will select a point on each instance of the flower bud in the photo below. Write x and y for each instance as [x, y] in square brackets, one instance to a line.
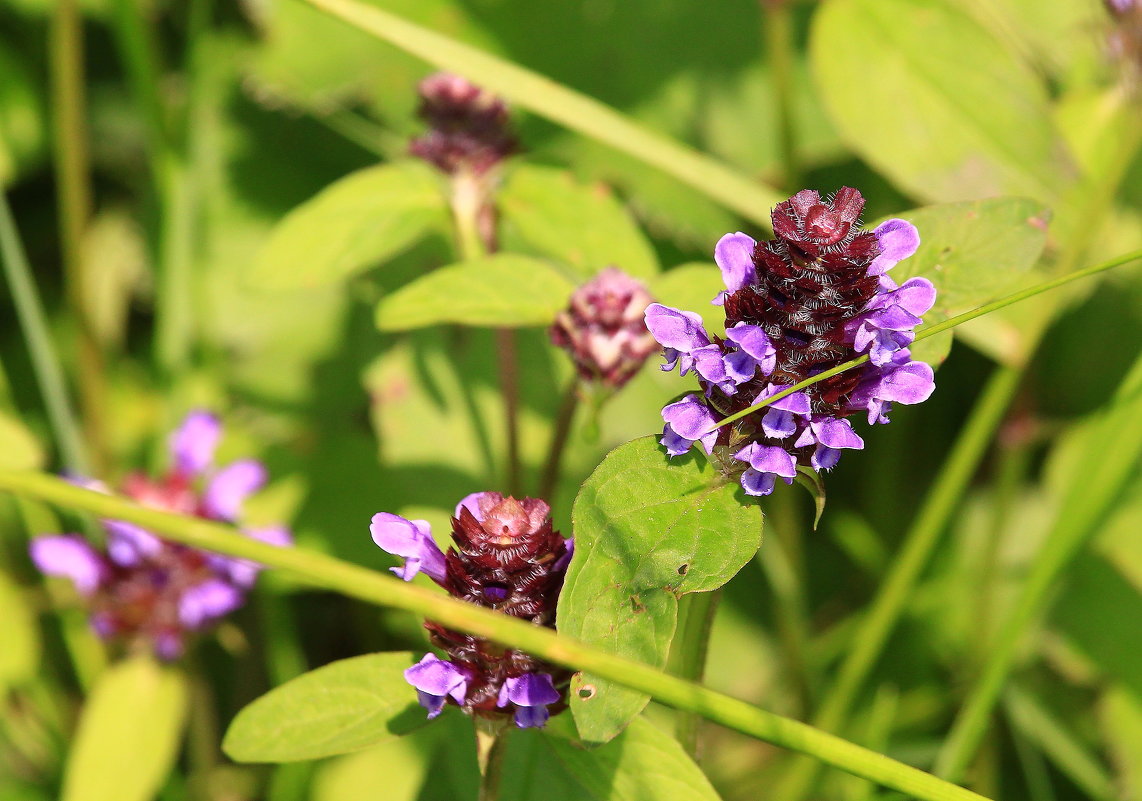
[603, 328]
[468, 126]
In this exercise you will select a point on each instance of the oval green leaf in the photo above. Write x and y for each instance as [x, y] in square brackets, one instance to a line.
[935, 102]
[20, 635]
[353, 224]
[505, 291]
[341, 707]
[647, 530]
[584, 226]
[128, 733]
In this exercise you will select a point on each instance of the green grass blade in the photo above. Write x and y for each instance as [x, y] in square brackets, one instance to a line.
[319, 570]
[565, 106]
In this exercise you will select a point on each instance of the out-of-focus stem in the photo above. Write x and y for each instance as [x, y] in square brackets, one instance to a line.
[491, 734]
[777, 22]
[45, 361]
[691, 645]
[549, 483]
[472, 211]
[73, 194]
[891, 600]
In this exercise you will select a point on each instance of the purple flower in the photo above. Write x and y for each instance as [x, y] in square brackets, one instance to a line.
[436, 680]
[767, 463]
[468, 126]
[145, 588]
[798, 306]
[412, 540]
[508, 557]
[531, 693]
[688, 421]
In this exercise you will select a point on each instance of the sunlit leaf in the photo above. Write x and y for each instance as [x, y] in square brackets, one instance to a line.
[344, 706]
[584, 226]
[20, 635]
[503, 291]
[19, 450]
[935, 102]
[647, 530]
[128, 733]
[351, 225]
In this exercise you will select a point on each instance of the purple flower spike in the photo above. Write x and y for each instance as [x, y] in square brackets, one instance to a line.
[412, 540]
[690, 420]
[435, 680]
[734, 256]
[230, 487]
[898, 239]
[531, 693]
[193, 443]
[69, 556]
[208, 601]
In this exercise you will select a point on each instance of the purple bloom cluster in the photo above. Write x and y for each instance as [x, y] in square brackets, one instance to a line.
[603, 328]
[145, 588]
[506, 557]
[813, 297]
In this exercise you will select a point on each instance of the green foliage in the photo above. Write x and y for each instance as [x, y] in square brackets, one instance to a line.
[647, 530]
[20, 656]
[128, 733]
[975, 121]
[504, 290]
[583, 226]
[351, 225]
[19, 450]
[341, 707]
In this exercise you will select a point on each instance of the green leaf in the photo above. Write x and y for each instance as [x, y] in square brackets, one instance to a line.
[341, 707]
[21, 652]
[936, 103]
[353, 224]
[19, 450]
[503, 291]
[647, 530]
[1120, 714]
[584, 226]
[128, 733]
[641, 764]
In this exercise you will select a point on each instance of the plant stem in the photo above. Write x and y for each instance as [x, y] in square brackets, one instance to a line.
[73, 195]
[697, 611]
[1087, 501]
[549, 483]
[566, 107]
[470, 201]
[941, 327]
[778, 24]
[891, 600]
[319, 570]
[45, 361]
[491, 734]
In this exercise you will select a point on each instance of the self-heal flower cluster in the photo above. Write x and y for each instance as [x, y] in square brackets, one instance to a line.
[506, 557]
[603, 330]
[468, 126]
[143, 589]
[814, 296]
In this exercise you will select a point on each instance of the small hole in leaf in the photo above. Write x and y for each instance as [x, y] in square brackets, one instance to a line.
[683, 569]
[587, 692]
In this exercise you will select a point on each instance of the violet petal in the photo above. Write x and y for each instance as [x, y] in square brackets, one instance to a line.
[411, 540]
[69, 556]
[734, 256]
[230, 486]
[193, 443]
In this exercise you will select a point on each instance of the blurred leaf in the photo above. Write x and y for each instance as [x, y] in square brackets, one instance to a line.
[1053, 734]
[584, 226]
[974, 252]
[934, 102]
[20, 655]
[19, 450]
[647, 530]
[355, 223]
[22, 135]
[691, 287]
[504, 290]
[642, 763]
[1121, 719]
[400, 765]
[128, 734]
[341, 707]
